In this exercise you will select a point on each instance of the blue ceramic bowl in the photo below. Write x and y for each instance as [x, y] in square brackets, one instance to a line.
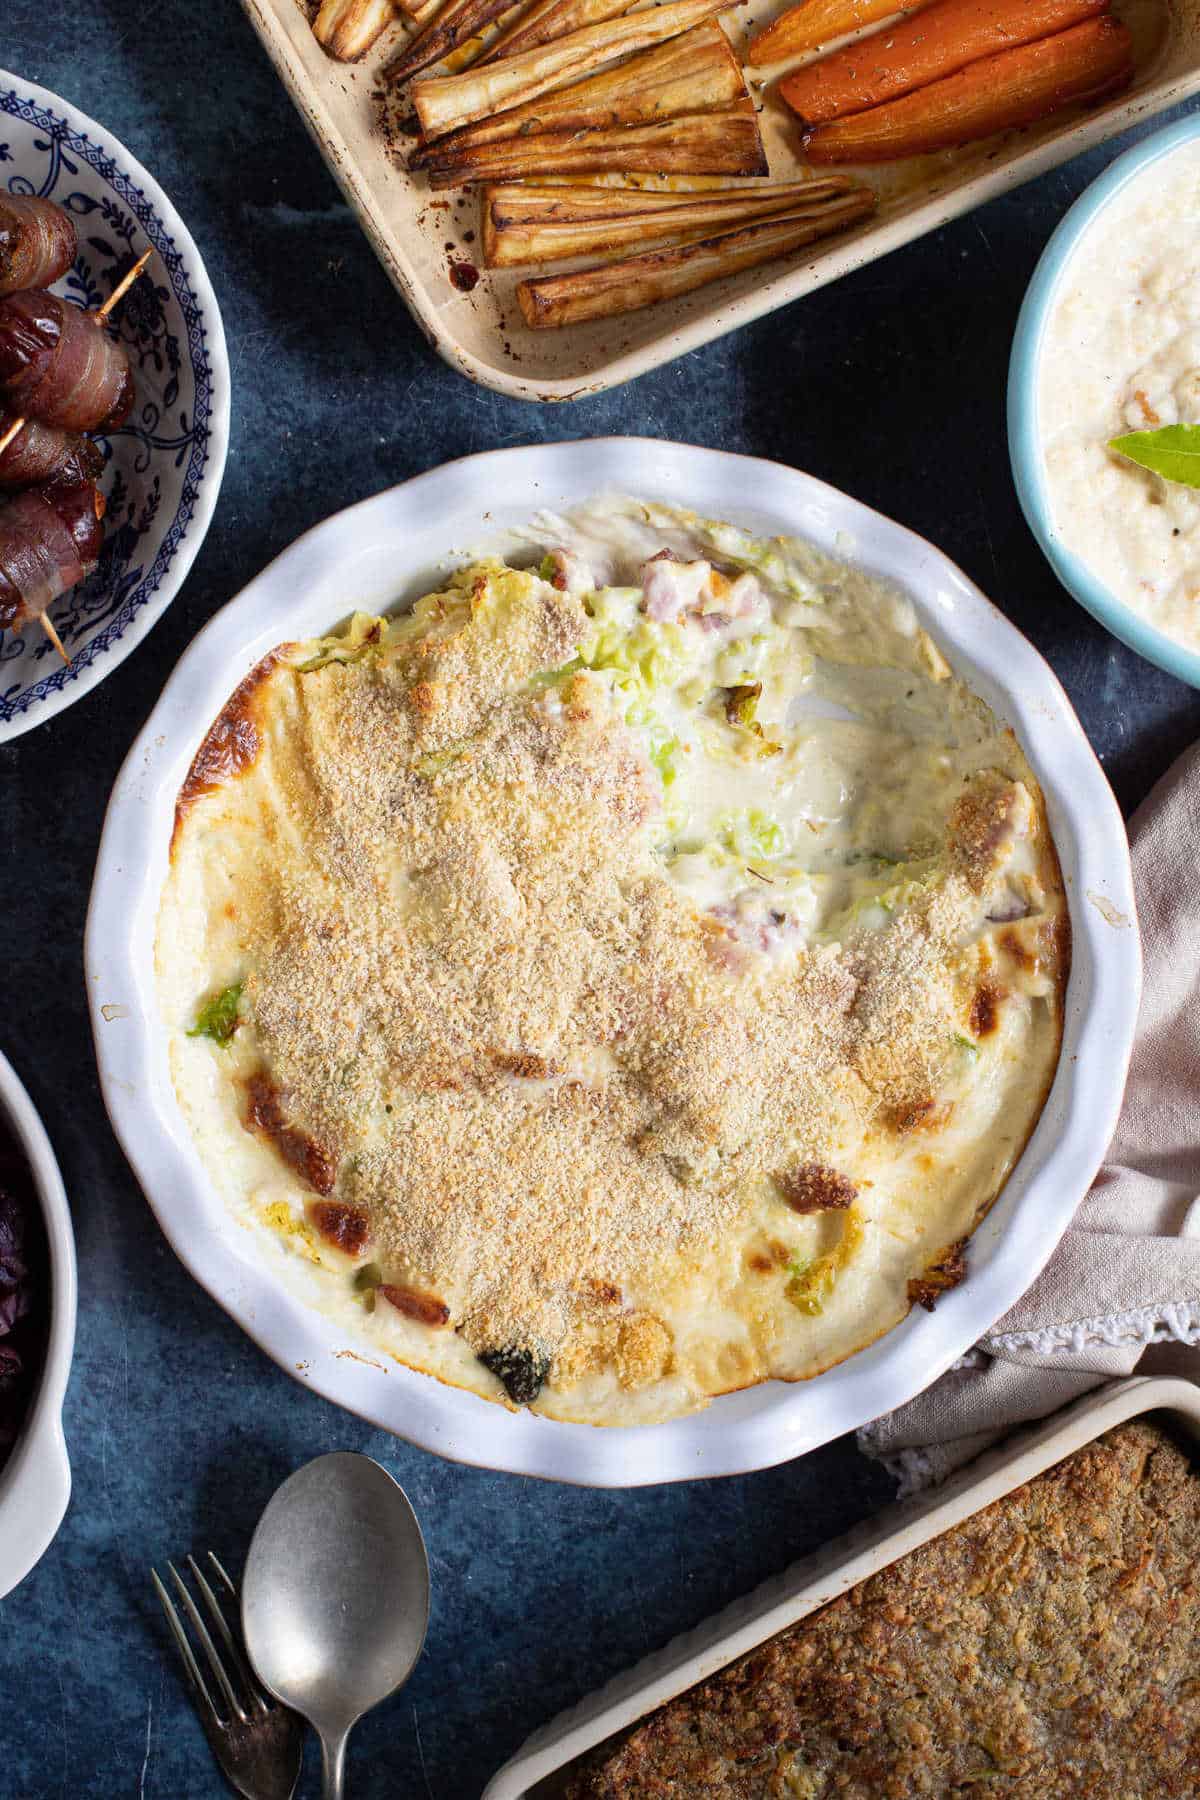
[1024, 432]
[163, 466]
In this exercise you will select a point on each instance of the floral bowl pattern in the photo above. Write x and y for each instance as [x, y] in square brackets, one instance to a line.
[163, 467]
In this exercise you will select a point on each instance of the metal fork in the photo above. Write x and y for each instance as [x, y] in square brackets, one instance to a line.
[257, 1742]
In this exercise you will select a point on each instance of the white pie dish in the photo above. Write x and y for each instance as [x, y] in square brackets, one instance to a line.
[35, 1482]
[381, 552]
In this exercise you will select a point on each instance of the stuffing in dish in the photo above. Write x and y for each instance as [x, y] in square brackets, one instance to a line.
[1044, 1649]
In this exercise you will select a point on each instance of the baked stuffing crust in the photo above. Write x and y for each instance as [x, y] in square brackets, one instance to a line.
[1048, 1647]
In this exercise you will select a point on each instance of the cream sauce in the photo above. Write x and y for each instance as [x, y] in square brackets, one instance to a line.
[1121, 353]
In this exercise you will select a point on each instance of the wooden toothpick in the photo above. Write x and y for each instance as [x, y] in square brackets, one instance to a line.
[100, 315]
[48, 628]
[123, 286]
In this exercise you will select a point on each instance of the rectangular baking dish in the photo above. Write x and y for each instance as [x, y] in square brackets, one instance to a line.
[417, 233]
[535, 1772]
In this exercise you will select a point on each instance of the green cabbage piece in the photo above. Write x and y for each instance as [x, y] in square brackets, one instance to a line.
[752, 835]
[362, 637]
[218, 1018]
[811, 1283]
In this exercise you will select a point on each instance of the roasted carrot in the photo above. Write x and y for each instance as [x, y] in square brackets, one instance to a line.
[939, 41]
[998, 93]
[815, 22]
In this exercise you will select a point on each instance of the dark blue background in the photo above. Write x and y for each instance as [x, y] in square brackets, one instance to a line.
[891, 385]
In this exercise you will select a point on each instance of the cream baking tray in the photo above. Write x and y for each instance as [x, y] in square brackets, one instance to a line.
[418, 234]
[535, 1772]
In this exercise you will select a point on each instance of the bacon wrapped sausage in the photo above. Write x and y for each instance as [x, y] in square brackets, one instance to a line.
[37, 242]
[42, 453]
[50, 538]
[59, 365]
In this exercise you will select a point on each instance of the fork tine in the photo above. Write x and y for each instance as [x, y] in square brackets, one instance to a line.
[191, 1666]
[225, 1579]
[267, 1699]
[231, 1644]
[209, 1648]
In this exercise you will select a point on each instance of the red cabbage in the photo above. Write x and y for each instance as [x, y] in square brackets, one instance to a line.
[22, 1303]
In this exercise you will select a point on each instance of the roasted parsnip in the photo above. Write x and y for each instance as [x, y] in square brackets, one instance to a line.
[621, 287]
[689, 74]
[543, 224]
[446, 103]
[455, 24]
[550, 19]
[723, 141]
[940, 40]
[1018, 87]
[348, 28]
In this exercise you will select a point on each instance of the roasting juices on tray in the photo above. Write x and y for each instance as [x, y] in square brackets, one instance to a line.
[61, 376]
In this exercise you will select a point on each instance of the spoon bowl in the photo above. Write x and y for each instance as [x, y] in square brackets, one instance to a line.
[335, 1597]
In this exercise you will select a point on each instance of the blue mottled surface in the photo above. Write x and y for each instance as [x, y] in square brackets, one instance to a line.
[890, 385]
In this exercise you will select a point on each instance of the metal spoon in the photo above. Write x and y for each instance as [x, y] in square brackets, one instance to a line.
[335, 1597]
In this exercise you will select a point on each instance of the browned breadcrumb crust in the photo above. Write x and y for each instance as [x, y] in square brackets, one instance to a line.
[947, 1269]
[547, 1092]
[1047, 1649]
[232, 741]
[814, 1188]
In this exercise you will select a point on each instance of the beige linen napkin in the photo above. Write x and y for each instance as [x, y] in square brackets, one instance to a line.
[1122, 1291]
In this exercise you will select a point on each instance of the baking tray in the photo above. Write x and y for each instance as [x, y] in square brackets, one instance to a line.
[417, 234]
[534, 1773]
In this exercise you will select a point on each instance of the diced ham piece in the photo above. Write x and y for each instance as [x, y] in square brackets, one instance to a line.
[759, 927]
[745, 599]
[673, 588]
[570, 574]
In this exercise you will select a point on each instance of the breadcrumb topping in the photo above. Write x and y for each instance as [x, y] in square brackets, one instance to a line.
[561, 1094]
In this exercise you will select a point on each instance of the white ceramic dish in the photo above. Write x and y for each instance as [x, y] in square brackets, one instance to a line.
[388, 549]
[165, 464]
[813, 1583]
[1026, 438]
[35, 1482]
[416, 235]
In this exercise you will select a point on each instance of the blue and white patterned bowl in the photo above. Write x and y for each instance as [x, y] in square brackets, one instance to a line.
[164, 466]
